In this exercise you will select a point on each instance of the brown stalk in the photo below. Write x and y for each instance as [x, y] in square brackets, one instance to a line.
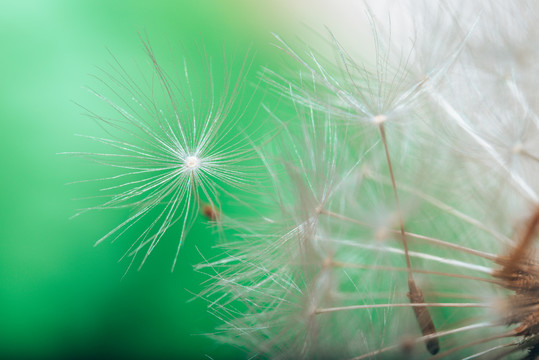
[415, 294]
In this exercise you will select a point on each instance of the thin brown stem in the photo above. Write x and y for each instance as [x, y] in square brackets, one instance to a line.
[401, 295]
[446, 208]
[402, 305]
[529, 155]
[472, 343]
[409, 235]
[426, 338]
[395, 193]
[422, 314]
[414, 270]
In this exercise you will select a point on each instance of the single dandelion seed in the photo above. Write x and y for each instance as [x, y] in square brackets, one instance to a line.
[179, 140]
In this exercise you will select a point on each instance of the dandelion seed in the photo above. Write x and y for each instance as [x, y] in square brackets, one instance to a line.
[179, 142]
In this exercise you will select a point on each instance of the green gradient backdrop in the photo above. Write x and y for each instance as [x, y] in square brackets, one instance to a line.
[59, 296]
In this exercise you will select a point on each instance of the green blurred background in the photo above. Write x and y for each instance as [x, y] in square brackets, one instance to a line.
[59, 296]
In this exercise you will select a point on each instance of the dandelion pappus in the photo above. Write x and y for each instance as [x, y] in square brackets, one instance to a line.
[173, 136]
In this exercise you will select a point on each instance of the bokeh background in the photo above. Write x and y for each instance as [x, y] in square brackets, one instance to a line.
[59, 296]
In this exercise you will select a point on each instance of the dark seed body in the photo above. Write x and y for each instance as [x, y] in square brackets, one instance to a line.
[423, 317]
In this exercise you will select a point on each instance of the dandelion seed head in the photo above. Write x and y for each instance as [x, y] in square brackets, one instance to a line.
[394, 255]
